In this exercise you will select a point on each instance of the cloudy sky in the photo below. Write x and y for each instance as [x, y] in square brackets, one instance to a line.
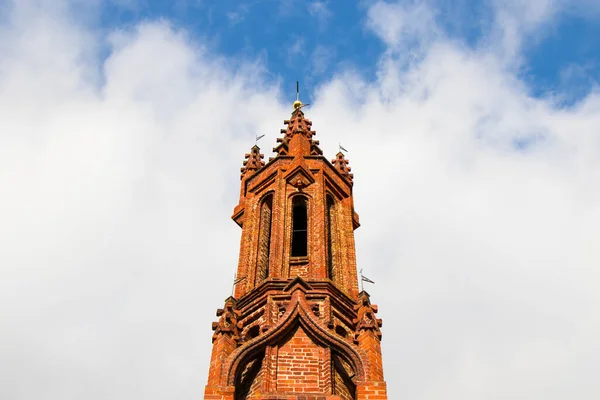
[473, 130]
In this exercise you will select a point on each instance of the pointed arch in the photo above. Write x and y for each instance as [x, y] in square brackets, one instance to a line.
[298, 313]
[299, 244]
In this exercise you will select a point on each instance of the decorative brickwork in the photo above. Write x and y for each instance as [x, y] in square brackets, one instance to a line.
[296, 327]
[254, 161]
[227, 324]
[341, 164]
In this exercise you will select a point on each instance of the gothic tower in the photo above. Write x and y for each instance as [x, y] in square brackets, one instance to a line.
[297, 326]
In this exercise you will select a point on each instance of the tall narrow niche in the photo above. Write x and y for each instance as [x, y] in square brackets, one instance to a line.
[299, 227]
[264, 239]
[331, 237]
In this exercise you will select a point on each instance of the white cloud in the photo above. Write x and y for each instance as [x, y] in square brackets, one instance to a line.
[520, 22]
[408, 28]
[402, 24]
[114, 207]
[117, 246]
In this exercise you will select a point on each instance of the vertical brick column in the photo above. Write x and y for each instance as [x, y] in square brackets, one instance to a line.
[318, 239]
[278, 229]
[225, 340]
[374, 388]
[368, 339]
[247, 247]
[223, 346]
[370, 344]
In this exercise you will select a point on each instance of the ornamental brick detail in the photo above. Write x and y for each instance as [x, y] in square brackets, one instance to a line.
[228, 321]
[298, 125]
[300, 177]
[366, 319]
[341, 164]
[253, 161]
[296, 326]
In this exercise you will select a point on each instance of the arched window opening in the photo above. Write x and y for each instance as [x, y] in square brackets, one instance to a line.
[331, 237]
[264, 239]
[299, 227]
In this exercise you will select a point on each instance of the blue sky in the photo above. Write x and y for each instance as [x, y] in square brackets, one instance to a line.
[311, 41]
[293, 41]
[566, 59]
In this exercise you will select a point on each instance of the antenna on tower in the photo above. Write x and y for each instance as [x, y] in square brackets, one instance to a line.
[363, 279]
[297, 91]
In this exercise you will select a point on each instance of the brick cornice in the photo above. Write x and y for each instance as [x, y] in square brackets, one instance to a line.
[276, 286]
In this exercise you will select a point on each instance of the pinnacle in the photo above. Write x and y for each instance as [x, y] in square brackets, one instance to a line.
[341, 164]
[300, 126]
[366, 319]
[253, 162]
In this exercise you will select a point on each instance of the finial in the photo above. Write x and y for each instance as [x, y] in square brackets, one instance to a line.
[297, 104]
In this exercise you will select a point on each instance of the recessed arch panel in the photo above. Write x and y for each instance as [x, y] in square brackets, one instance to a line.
[296, 315]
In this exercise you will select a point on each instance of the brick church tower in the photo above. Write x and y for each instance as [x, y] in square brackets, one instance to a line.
[297, 326]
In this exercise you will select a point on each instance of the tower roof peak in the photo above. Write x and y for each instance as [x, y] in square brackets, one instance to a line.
[298, 136]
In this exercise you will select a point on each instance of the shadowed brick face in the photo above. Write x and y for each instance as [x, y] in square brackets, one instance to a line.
[297, 326]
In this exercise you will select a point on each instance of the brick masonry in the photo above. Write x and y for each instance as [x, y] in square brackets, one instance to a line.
[297, 326]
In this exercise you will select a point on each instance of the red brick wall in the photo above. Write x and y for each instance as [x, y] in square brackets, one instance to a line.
[298, 365]
[370, 344]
